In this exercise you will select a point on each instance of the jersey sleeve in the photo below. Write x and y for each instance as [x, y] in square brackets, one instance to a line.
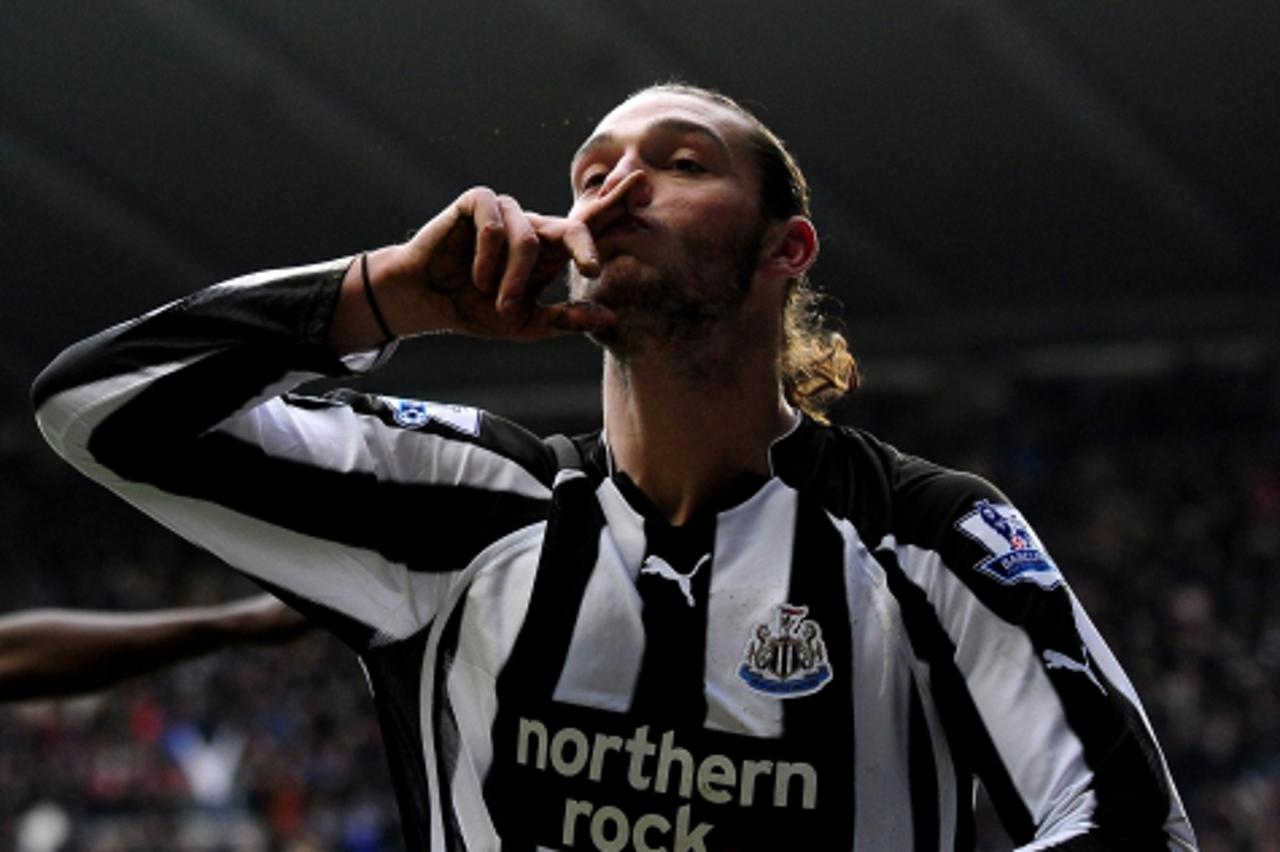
[360, 507]
[1031, 699]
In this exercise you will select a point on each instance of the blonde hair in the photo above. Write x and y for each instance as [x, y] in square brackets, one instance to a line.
[817, 367]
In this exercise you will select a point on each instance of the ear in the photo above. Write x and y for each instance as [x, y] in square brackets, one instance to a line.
[791, 248]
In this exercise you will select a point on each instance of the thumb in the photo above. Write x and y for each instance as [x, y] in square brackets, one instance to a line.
[572, 317]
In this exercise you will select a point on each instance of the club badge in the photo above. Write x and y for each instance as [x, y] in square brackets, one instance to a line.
[786, 658]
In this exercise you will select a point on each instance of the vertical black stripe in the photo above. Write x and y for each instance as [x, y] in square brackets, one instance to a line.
[519, 804]
[447, 737]
[967, 736]
[353, 633]
[395, 678]
[966, 820]
[822, 724]
[923, 773]
[671, 686]
[1130, 783]
[570, 549]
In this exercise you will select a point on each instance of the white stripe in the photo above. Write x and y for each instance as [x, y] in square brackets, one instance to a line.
[625, 524]
[751, 575]
[340, 440]
[494, 553]
[497, 601]
[607, 647]
[879, 684]
[949, 801]
[267, 276]
[1014, 697]
[356, 582]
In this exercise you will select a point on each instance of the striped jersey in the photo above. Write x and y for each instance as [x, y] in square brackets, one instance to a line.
[825, 657]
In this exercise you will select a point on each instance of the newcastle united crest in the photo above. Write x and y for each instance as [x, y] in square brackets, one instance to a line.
[786, 658]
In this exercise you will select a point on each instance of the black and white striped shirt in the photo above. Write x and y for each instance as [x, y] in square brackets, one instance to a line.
[825, 658]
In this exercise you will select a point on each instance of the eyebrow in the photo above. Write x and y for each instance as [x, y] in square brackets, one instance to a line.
[662, 125]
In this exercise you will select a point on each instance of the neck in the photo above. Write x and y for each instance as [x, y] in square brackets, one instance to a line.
[682, 424]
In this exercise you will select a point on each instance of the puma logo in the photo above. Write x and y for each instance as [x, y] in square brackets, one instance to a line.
[661, 567]
[1058, 660]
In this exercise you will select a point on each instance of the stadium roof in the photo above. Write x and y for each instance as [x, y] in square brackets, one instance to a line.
[992, 180]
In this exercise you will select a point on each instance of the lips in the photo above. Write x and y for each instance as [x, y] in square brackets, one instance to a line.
[626, 223]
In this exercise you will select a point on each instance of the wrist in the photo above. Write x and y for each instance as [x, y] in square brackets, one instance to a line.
[374, 308]
[355, 327]
[398, 280]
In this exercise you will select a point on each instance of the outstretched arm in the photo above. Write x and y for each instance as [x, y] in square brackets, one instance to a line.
[49, 653]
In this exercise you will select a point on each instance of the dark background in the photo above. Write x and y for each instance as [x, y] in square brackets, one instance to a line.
[1051, 228]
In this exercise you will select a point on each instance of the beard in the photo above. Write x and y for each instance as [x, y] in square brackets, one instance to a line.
[672, 304]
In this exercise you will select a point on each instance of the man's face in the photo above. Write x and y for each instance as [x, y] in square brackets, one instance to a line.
[679, 249]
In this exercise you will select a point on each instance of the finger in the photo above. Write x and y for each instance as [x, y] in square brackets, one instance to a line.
[600, 212]
[523, 246]
[568, 236]
[480, 205]
[578, 317]
[582, 247]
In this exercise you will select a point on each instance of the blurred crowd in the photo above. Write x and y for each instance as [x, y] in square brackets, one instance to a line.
[254, 748]
[1158, 495]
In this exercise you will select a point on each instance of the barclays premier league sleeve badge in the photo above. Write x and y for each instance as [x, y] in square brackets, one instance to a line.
[1016, 555]
[414, 414]
[786, 658]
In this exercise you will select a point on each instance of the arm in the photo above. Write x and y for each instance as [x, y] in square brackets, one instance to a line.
[54, 653]
[183, 412]
[1031, 699]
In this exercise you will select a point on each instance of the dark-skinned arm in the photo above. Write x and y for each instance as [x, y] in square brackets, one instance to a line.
[50, 653]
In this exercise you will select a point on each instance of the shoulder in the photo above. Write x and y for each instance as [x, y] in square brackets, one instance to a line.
[886, 492]
[934, 522]
[967, 525]
[475, 436]
[871, 482]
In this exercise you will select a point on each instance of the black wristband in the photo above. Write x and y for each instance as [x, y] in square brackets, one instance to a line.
[373, 303]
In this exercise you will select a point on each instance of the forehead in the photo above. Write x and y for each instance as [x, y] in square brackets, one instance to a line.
[651, 109]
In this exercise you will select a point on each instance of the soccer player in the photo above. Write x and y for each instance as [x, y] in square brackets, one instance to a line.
[718, 623]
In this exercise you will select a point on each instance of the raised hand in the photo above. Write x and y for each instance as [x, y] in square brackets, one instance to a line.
[479, 268]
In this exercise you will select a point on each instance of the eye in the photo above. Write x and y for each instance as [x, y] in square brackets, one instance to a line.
[592, 180]
[687, 165]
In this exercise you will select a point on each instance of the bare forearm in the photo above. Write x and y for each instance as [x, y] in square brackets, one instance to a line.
[47, 653]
